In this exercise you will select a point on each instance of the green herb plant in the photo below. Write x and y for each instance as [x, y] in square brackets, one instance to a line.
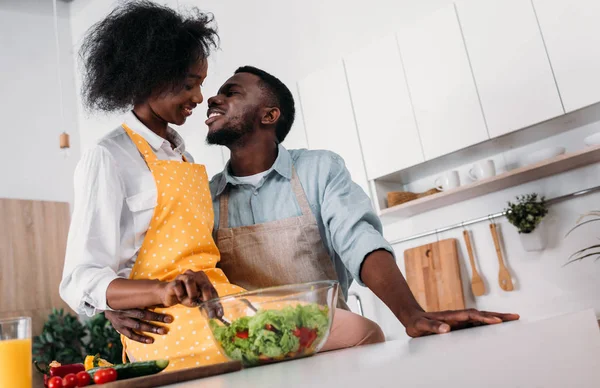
[68, 341]
[527, 213]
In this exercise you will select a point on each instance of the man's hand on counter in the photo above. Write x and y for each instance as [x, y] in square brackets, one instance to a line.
[132, 323]
[422, 323]
[381, 274]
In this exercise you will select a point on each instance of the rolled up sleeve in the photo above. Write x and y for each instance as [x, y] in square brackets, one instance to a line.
[92, 255]
[347, 212]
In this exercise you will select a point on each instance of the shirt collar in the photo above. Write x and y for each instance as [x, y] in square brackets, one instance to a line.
[282, 165]
[152, 138]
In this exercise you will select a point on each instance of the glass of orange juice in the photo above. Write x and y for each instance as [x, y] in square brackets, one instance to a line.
[15, 352]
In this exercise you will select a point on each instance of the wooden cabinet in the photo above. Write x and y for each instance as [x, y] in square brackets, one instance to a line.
[329, 119]
[571, 31]
[33, 240]
[509, 62]
[383, 110]
[441, 84]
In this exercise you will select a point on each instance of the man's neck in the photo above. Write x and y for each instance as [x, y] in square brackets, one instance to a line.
[252, 157]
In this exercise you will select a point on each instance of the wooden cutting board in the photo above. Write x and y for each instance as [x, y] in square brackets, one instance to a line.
[166, 378]
[433, 275]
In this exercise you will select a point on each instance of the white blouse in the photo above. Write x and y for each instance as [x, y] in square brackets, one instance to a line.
[115, 196]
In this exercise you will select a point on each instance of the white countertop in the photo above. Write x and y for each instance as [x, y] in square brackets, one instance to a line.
[562, 351]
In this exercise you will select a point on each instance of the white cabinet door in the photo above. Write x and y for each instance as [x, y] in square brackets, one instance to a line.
[510, 65]
[571, 30]
[384, 115]
[441, 84]
[329, 120]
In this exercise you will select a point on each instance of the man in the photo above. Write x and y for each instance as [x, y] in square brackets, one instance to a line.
[268, 201]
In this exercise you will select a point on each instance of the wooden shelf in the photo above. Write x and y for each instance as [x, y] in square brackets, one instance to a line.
[511, 178]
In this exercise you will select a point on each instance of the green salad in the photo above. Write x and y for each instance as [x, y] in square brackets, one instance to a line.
[273, 335]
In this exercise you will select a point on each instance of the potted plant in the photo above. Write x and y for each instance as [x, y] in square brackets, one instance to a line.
[67, 340]
[526, 215]
[61, 339]
[592, 250]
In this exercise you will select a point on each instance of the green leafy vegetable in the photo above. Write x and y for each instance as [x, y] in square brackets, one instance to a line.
[273, 334]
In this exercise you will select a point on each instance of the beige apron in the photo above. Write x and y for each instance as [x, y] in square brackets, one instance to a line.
[281, 252]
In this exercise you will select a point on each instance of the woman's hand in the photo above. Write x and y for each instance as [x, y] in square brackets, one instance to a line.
[189, 289]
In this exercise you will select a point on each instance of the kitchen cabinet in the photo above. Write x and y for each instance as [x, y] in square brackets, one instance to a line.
[382, 107]
[329, 119]
[33, 241]
[509, 63]
[444, 96]
[571, 30]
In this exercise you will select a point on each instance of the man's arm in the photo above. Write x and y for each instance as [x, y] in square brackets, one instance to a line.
[356, 234]
[132, 323]
[381, 274]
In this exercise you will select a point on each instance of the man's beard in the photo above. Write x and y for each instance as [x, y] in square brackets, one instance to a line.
[232, 134]
[228, 136]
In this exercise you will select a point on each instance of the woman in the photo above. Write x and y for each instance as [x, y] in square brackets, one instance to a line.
[141, 231]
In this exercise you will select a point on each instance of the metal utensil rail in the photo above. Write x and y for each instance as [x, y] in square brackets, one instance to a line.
[491, 217]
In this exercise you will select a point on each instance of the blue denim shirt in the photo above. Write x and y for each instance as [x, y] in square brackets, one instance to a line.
[349, 227]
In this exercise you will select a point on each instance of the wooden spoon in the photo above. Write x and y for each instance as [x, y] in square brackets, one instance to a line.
[504, 278]
[476, 282]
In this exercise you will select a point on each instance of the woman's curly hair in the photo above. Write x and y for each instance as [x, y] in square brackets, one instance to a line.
[140, 49]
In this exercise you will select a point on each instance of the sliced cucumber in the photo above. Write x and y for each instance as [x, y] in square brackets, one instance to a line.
[134, 369]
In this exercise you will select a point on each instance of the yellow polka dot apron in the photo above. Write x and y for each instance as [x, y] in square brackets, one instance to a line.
[179, 238]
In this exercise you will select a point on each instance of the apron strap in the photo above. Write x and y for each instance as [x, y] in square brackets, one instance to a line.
[141, 144]
[300, 194]
[224, 209]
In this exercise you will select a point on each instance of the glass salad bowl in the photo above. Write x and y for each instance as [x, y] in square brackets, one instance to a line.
[273, 324]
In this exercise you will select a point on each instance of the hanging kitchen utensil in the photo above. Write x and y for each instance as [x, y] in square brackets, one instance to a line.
[477, 285]
[433, 275]
[504, 278]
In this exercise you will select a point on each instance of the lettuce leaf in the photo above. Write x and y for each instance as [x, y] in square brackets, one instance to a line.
[278, 342]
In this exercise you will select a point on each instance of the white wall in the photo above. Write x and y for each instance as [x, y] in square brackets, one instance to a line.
[288, 39]
[292, 39]
[32, 166]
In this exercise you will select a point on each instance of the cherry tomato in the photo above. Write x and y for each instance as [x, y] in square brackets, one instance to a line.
[105, 376]
[55, 382]
[70, 381]
[83, 379]
[242, 334]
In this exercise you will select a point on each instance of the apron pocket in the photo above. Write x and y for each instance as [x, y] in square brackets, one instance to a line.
[142, 205]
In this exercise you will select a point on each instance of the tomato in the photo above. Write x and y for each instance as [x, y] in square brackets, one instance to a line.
[105, 376]
[311, 338]
[83, 379]
[269, 327]
[242, 334]
[55, 382]
[70, 381]
[307, 336]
